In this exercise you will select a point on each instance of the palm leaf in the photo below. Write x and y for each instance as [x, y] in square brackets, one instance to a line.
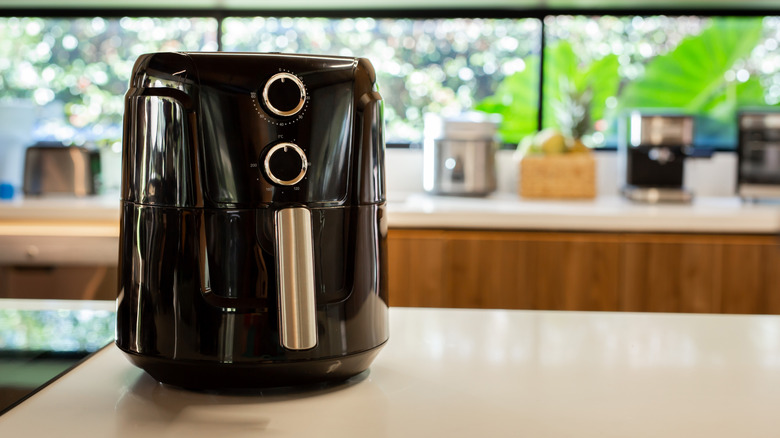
[692, 76]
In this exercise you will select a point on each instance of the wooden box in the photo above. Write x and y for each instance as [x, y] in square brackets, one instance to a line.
[558, 176]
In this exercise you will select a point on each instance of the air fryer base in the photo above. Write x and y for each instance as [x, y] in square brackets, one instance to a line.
[213, 375]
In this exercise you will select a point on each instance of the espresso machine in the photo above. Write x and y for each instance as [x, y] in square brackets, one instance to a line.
[652, 152]
[253, 221]
[758, 154]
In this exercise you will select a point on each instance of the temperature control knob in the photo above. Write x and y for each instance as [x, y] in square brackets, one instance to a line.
[285, 164]
[284, 94]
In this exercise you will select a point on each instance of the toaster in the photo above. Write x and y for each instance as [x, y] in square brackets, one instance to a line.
[253, 223]
[54, 169]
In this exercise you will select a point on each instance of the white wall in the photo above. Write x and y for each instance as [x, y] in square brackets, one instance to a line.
[715, 176]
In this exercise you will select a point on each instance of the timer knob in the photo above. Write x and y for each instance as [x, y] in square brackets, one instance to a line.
[285, 164]
[284, 94]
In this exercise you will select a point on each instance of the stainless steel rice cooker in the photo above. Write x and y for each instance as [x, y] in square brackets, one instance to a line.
[459, 154]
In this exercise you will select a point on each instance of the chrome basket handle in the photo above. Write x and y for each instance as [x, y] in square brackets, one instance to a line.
[295, 272]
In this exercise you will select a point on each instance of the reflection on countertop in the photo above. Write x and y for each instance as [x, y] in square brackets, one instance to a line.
[39, 339]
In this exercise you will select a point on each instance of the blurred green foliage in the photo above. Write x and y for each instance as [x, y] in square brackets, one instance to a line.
[84, 64]
[573, 94]
[693, 77]
[599, 68]
[517, 101]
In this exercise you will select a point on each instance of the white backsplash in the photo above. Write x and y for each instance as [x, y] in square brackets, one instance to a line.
[714, 176]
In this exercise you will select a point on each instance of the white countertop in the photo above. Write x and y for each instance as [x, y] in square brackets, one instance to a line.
[465, 373]
[604, 213]
[499, 211]
[63, 208]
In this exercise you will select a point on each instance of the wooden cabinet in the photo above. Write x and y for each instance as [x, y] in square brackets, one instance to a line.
[700, 273]
[750, 276]
[416, 269]
[670, 274]
[58, 282]
[584, 271]
[511, 270]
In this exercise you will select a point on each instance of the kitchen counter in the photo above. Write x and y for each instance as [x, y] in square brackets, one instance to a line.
[465, 373]
[60, 230]
[103, 208]
[605, 213]
[417, 210]
[42, 231]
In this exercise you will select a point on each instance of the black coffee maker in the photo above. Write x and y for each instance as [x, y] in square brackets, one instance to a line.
[253, 231]
[652, 152]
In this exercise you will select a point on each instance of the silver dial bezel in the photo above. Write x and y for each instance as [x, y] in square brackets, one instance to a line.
[281, 77]
[267, 164]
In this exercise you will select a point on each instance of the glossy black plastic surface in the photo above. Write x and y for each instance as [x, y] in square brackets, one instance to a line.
[196, 131]
[201, 285]
[197, 302]
[215, 375]
[644, 171]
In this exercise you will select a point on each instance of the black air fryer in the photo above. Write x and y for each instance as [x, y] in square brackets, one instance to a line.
[253, 227]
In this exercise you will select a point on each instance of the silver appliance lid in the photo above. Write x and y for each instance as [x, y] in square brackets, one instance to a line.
[466, 126]
[661, 129]
[760, 120]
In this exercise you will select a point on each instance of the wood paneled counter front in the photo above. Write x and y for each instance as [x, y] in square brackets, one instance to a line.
[717, 255]
[710, 273]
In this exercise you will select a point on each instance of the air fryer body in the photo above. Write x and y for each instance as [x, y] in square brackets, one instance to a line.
[253, 227]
